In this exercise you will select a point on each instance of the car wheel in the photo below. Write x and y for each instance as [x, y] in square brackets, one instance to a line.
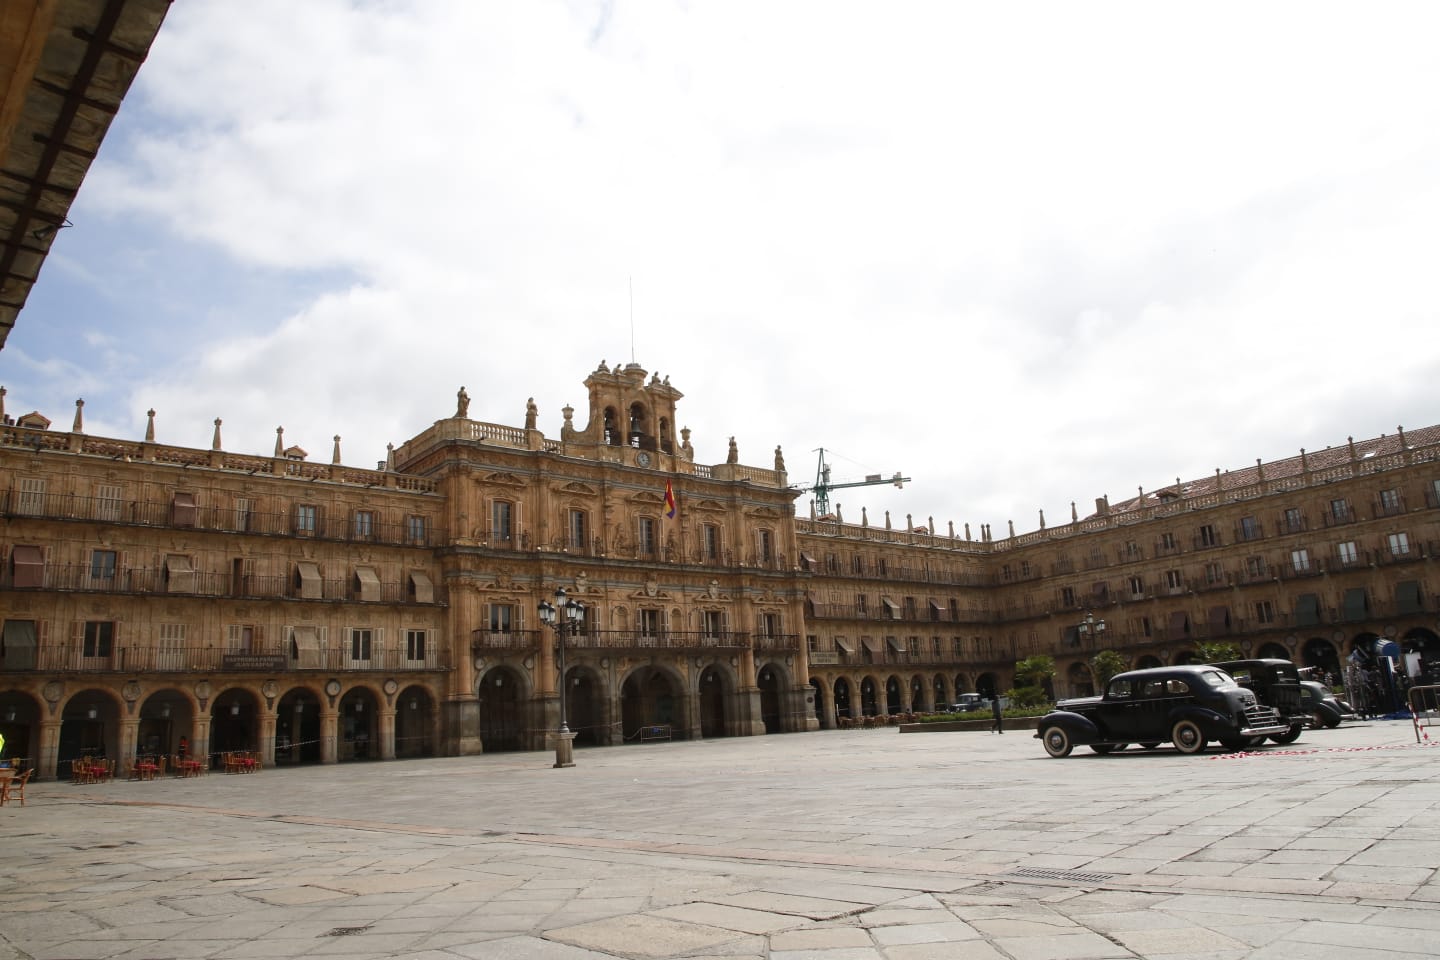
[1289, 736]
[1102, 748]
[1332, 722]
[1317, 720]
[1254, 741]
[1188, 737]
[1057, 742]
[1235, 744]
[1150, 744]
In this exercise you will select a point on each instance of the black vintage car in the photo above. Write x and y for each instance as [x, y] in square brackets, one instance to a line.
[1275, 683]
[1188, 706]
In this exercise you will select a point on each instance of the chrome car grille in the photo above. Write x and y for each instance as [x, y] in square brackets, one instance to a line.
[1257, 715]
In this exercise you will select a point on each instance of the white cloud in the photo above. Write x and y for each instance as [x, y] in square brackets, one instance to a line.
[1026, 254]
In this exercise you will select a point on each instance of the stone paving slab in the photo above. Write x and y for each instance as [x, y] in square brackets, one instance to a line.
[958, 846]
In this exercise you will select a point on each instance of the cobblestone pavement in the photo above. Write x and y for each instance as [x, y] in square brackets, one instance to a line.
[839, 845]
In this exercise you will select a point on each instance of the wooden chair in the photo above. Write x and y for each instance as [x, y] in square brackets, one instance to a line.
[14, 788]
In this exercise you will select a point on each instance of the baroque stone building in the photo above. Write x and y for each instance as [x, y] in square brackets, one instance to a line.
[165, 599]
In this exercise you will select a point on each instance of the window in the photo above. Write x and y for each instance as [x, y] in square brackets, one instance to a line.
[1399, 544]
[1249, 528]
[954, 610]
[910, 608]
[306, 518]
[1137, 587]
[360, 638]
[99, 638]
[832, 563]
[1067, 596]
[857, 564]
[31, 501]
[713, 623]
[861, 603]
[935, 648]
[710, 542]
[577, 529]
[1293, 521]
[1146, 627]
[766, 545]
[647, 536]
[27, 566]
[1339, 510]
[1347, 553]
[1300, 560]
[1167, 541]
[102, 566]
[1264, 612]
[1006, 573]
[1174, 580]
[770, 625]
[1207, 536]
[107, 502]
[1389, 502]
[415, 644]
[882, 567]
[182, 510]
[649, 622]
[501, 519]
[244, 510]
[1132, 550]
[415, 529]
[364, 525]
[501, 618]
[1255, 567]
[170, 651]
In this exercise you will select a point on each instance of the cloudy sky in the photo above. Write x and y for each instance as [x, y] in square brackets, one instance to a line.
[1027, 254]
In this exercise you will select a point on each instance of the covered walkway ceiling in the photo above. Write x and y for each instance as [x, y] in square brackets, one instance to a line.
[65, 65]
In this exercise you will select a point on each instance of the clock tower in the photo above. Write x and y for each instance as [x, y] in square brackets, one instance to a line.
[626, 410]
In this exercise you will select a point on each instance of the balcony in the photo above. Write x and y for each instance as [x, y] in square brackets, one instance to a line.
[147, 581]
[629, 640]
[210, 658]
[148, 513]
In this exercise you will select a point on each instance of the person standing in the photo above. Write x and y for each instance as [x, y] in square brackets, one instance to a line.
[995, 711]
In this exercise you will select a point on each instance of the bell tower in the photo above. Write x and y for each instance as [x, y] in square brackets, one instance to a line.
[627, 411]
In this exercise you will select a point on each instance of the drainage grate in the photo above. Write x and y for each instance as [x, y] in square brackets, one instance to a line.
[345, 931]
[1073, 876]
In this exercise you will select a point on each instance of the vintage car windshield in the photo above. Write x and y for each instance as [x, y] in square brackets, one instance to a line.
[1216, 679]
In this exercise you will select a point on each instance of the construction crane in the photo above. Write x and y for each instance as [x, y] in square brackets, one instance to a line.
[823, 486]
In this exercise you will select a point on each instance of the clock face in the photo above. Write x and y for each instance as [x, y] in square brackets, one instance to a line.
[642, 458]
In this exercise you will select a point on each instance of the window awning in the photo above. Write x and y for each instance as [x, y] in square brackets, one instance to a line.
[369, 584]
[182, 510]
[1307, 610]
[1219, 616]
[895, 644]
[1179, 622]
[845, 645]
[1356, 605]
[17, 651]
[307, 574]
[305, 647]
[424, 589]
[807, 561]
[891, 607]
[1407, 596]
[29, 566]
[873, 645]
[935, 607]
[179, 574]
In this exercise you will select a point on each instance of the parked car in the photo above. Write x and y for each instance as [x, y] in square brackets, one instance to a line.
[968, 703]
[1276, 683]
[1187, 705]
[1321, 706]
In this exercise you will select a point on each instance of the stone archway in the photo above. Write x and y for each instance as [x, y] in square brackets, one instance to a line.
[20, 726]
[987, 685]
[414, 723]
[715, 693]
[89, 728]
[359, 733]
[502, 714]
[166, 720]
[1321, 653]
[1080, 680]
[234, 724]
[1272, 651]
[583, 706]
[651, 697]
[297, 728]
[869, 697]
[1148, 662]
[843, 708]
[769, 681]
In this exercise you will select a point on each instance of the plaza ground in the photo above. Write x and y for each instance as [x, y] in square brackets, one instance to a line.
[837, 845]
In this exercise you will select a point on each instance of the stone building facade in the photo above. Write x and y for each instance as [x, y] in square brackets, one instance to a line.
[167, 600]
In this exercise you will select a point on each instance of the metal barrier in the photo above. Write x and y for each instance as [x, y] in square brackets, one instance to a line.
[1425, 709]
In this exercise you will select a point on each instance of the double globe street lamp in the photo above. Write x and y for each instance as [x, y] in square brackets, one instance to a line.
[564, 616]
[1090, 627]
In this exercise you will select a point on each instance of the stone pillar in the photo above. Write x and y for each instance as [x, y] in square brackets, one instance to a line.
[329, 735]
[267, 738]
[47, 759]
[129, 735]
[200, 738]
[387, 733]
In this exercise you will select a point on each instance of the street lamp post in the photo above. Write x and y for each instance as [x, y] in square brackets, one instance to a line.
[564, 616]
[1090, 627]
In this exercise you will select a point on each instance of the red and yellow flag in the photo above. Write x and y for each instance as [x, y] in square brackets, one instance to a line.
[670, 508]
